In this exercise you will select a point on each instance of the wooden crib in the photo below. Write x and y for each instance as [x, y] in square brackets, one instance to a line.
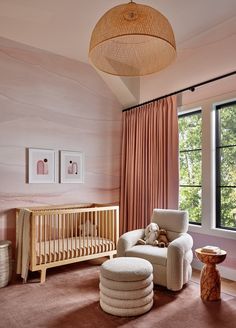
[68, 234]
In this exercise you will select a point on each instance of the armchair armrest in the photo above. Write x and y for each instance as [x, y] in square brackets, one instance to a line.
[175, 258]
[128, 240]
[181, 244]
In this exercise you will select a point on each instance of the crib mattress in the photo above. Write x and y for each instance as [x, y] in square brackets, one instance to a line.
[67, 248]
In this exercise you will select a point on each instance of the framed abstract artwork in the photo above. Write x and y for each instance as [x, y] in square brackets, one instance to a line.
[41, 165]
[71, 166]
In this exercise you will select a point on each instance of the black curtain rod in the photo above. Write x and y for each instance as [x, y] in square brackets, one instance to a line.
[191, 88]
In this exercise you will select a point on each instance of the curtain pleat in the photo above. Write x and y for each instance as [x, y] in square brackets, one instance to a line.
[149, 162]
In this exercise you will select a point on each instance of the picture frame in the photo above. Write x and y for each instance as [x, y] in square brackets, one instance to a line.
[41, 165]
[71, 166]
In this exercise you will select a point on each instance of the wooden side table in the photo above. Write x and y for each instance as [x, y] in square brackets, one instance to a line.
[210, 277]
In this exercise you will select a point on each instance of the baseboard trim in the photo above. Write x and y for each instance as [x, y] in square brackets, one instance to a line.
[225, 272]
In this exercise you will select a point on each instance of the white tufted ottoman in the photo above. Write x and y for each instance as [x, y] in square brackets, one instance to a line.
[126, 287]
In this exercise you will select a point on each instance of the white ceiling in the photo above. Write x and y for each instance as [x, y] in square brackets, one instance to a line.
[64, 26]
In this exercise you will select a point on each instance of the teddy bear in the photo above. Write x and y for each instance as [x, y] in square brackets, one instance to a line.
[151, 233]
[162, 239]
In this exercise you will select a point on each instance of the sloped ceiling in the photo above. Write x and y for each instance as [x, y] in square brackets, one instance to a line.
[64, 27]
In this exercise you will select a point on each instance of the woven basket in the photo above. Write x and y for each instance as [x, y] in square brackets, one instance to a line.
[5, 262]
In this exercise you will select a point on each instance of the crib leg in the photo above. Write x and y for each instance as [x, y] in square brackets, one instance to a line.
[111, 256]
[43, 276]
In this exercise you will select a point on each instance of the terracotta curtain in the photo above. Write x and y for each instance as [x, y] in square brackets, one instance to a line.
[149, 162]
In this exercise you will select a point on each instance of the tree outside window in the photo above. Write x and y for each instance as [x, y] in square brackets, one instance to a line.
[190, 161]
[226, 166]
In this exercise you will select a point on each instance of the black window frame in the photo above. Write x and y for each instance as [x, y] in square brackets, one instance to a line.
[194, 112]
[218, 147]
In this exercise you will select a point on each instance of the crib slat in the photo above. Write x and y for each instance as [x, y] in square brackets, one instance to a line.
[110, 237]
[53, 237]
[83, 235]
[49, 238]
[63, 236]
[104, 230]
[112, 229]
[99, 227]
[113, 225]
[40, 227]
[77, 232]
[33, 240]
[117, 224]
[87, 232]
[91, 242]
[96, 233]
[106, 227]
[108, 230]
[67, 234]
[59, 236]
[71, 235]
[45, 222]
[92, 231]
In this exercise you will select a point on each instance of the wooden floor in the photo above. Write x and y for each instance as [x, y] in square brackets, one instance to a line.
[227, 286]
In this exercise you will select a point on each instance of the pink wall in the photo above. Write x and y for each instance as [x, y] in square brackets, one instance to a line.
[48, 101]
[229, 245]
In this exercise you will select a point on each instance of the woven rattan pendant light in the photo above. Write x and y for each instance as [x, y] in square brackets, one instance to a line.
[132, 40]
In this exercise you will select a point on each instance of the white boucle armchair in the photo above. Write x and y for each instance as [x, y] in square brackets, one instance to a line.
[172, 265]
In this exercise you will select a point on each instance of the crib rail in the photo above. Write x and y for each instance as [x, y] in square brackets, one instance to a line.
[66, 235]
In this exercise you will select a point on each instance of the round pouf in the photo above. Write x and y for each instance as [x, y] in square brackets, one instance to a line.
[126, 286]
[5, 262]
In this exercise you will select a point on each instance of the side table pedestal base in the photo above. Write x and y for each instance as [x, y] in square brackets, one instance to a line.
[210, 283]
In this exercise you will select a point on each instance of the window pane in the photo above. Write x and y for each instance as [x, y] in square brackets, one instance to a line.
[190, 132]
[228, 166]
[190, 168]
[228, 207]
[228, 125]
[190, 199]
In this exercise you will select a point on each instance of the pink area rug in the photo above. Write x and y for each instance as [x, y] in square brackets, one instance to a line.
[70, 298]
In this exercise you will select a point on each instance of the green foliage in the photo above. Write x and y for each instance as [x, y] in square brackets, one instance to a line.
[227, 123]
[190, 167]
[228, 207]
[190, 199]
[228, 166]
[190, 132]
[190, 135]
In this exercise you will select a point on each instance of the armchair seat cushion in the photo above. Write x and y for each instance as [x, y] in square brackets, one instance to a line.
[153, 254]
